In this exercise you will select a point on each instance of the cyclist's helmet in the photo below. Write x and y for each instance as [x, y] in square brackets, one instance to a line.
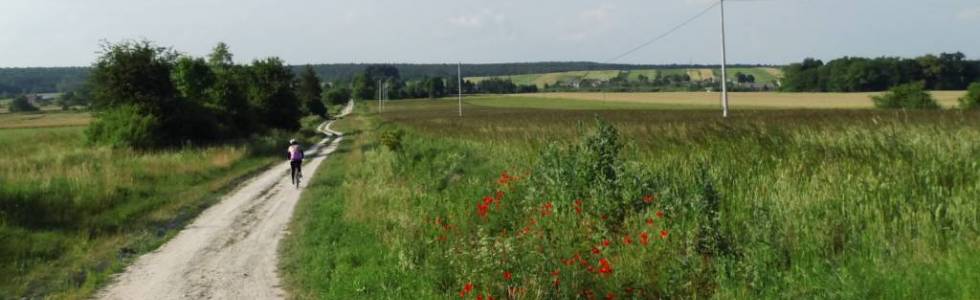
[292, 142]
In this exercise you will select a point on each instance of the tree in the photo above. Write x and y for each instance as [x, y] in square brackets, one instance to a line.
[435, 87]
[21, 104]
[193, 78]
[309, 92]
[338, 95]
[272, 94]
[134, 73]
[906, 96]
[972, 98]
[364, 87]
[220, 56]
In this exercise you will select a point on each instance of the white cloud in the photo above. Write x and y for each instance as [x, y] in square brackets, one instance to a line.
[466, 21]
[969, 14]
[479, 20]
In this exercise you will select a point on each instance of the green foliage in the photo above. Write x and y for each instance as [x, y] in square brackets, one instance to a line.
[309, 92]
[192, 77]
[907, 96]
[948, 71]
[392, 139]
[271, 92]
[125, 126]
[337, 95]
[972, 98]
[20, 104]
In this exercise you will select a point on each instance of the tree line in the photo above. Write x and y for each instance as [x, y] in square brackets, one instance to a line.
[147, 96]
[947, 71]
[15, 81]
[368, 85]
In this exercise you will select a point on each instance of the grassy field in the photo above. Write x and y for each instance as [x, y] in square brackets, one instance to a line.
[72, 214]
[530, 203]
[41, 120]
[749, 100]
[762, 75]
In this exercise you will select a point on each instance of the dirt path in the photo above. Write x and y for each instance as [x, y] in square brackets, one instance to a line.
[231, 250]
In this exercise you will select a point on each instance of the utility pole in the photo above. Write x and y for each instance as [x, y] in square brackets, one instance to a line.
[724, 78]
[459, 96]
[379, 96]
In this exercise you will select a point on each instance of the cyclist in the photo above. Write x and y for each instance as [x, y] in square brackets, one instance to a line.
[295, 161]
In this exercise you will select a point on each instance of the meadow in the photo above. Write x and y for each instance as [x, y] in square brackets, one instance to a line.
[706, 100]
[535, 203]
[762, 75]
[73, 214]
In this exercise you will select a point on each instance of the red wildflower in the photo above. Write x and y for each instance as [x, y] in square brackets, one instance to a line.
[596, 251]
[507, 275]
[487, 200]
[648, 199]
[482, 210]
[605, 268]
[627, 240]
[605, 243]
[499, 195]
[660, 214]
[479, 297]
[466, 289]
[546, 209]
[605, 217]
[649, 221]
[663, 234]
[556, 272]
[578, 206]
[610, 296]
[504, 178]
[556, 282]
[644, 238]
[441, 238]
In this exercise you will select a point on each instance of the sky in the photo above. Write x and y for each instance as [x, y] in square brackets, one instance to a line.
[70, 32]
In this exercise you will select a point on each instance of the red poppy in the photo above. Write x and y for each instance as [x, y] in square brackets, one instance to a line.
[648, 199]
[556, 282]
[605, 243]
[504, 178]
[649, 221]
[482, 210]
[487, 200]
[627, 240]
[507, 275]
[578, 206]
[499, 195]
[479, 297]
[605, 217]
[610, 296]
[466, 289]
[596, 251]
[546, 209]
[663, 234]
[660, 214]
[556, 272]
[644, 238]
[605, 268]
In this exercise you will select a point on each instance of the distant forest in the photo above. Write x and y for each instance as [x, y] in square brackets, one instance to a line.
[947, 71]
[62, 79]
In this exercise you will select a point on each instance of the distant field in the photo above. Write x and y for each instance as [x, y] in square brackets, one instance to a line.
[712, 100]
[57, 119]
[762, 75]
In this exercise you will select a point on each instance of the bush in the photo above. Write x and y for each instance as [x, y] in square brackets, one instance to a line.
[20, 104]
[909, 96]
[392, 139]
[972, 98]
[124, 126]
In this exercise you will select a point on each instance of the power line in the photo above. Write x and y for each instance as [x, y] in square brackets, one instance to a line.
[657, 38]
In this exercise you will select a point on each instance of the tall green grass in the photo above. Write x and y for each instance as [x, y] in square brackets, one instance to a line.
[768, 204]
[72, 214]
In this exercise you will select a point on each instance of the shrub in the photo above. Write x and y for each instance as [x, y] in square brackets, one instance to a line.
[972, 98]
[20, 104]
[124, 126]
[910, 96]
[392, 139]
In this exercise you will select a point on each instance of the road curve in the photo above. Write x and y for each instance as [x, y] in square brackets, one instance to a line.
[230, 251]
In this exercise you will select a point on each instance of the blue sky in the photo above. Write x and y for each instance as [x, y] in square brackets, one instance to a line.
[68, 32]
